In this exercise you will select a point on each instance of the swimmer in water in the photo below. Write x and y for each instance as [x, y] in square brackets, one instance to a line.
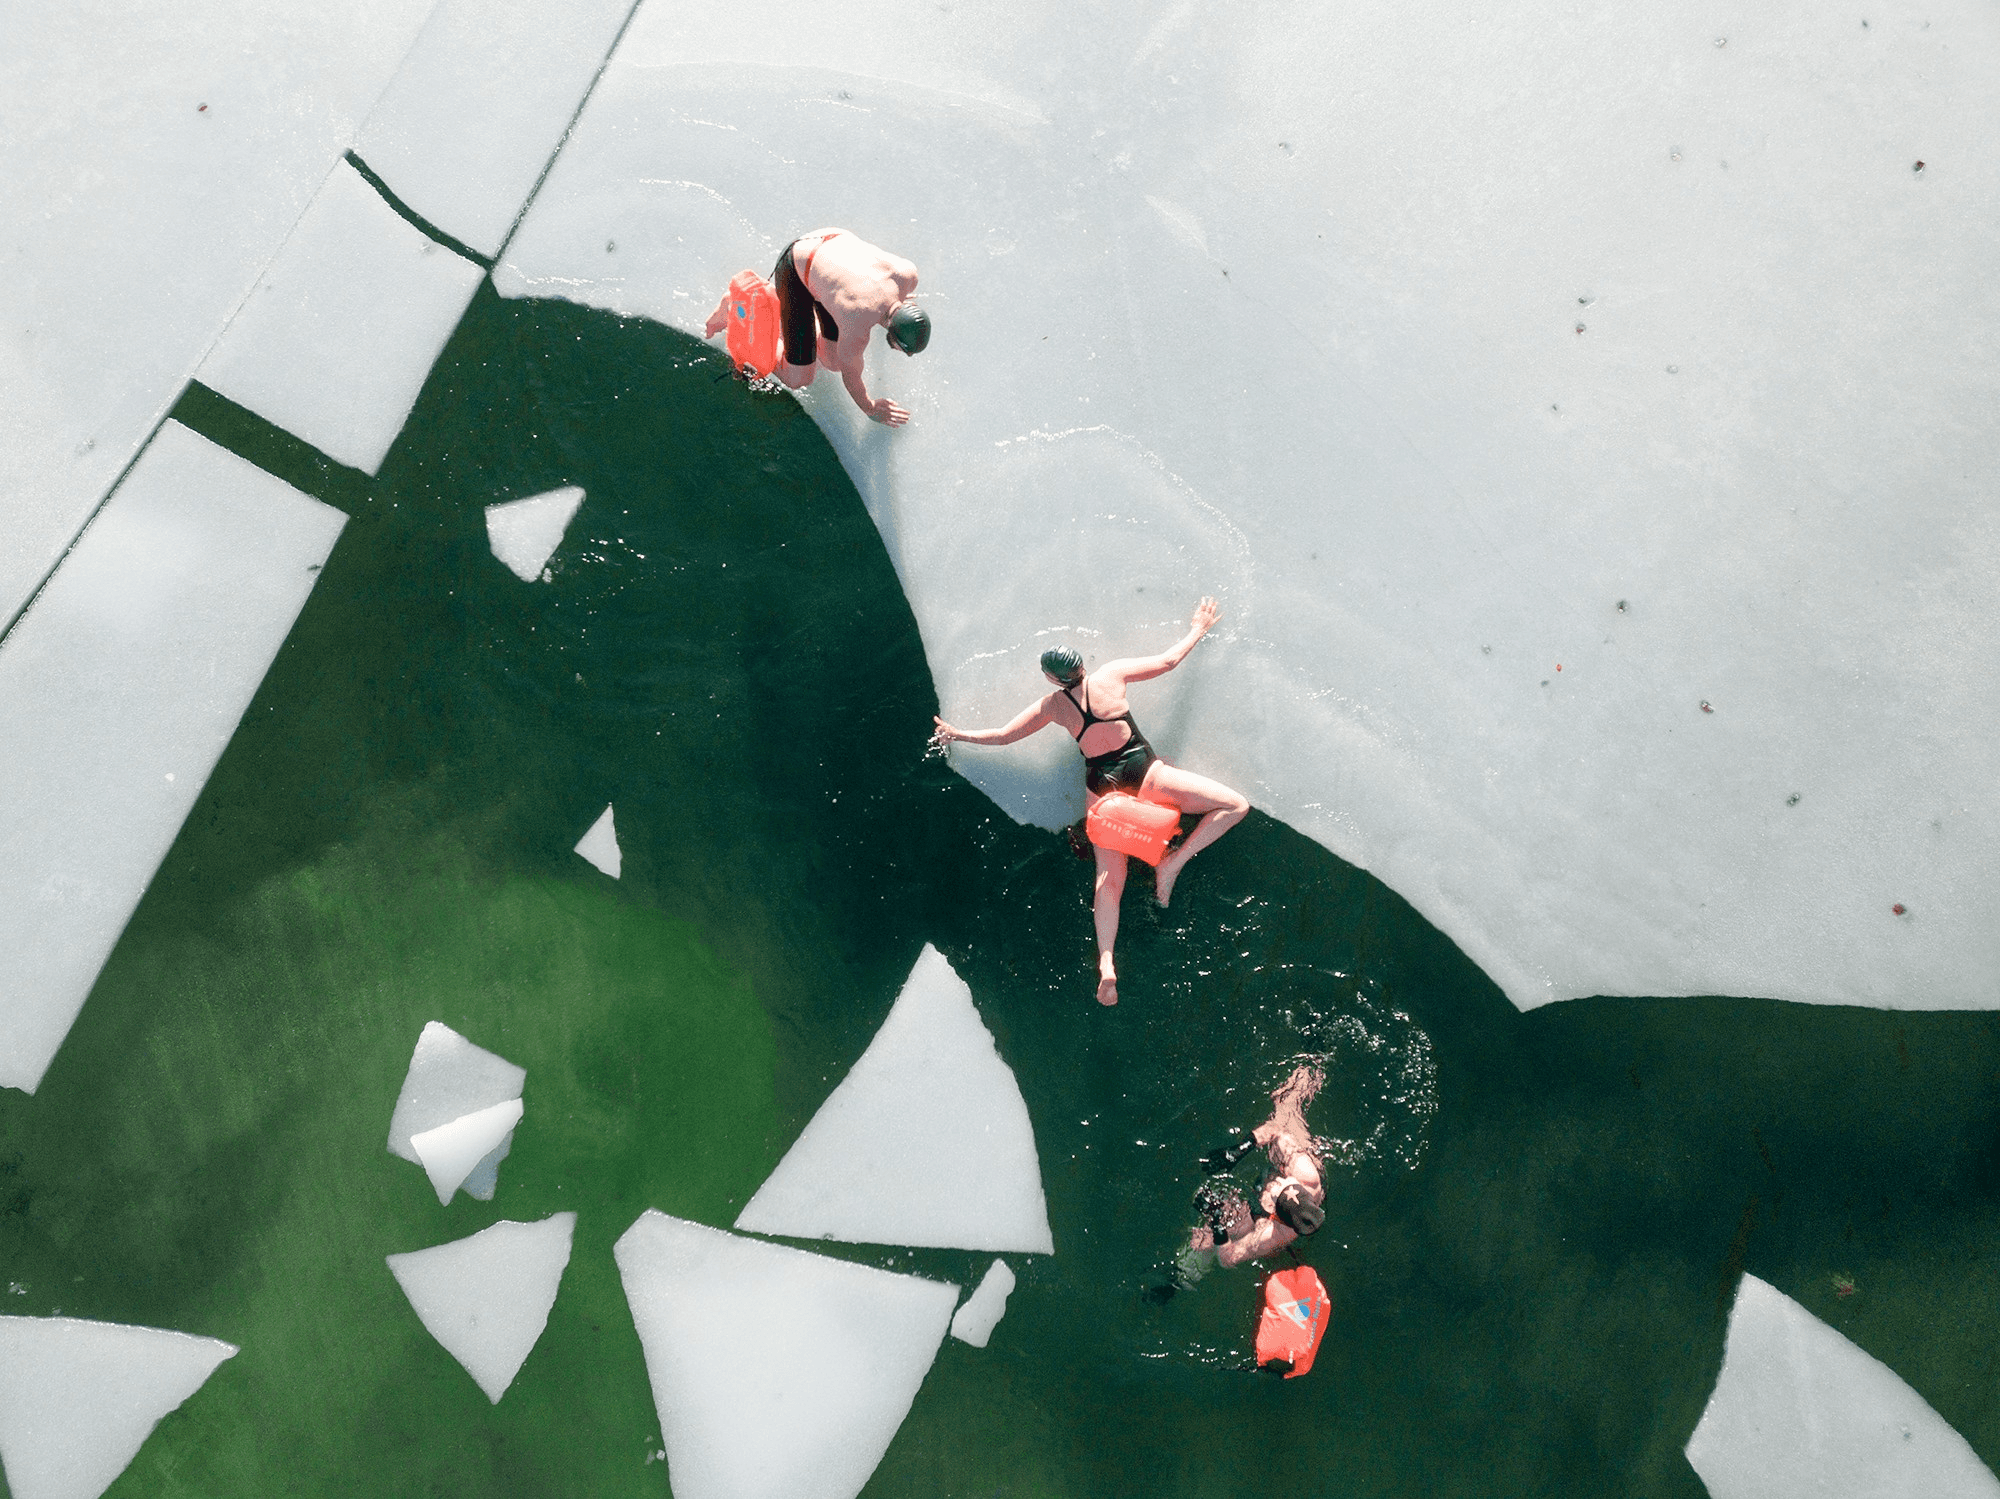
[838, 281]
[1116, 757]
[1291, 1201]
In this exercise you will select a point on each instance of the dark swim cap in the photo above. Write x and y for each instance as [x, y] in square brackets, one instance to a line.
[1301, 1217]
[909, 328]
[1064, 664]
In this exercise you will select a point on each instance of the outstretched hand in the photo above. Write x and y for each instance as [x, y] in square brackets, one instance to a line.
[1206, 613]
[943, 735]
[888, 413]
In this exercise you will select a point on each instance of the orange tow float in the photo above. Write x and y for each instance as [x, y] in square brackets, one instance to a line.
[754, 325]
[1296, 1313]
[1126, 825]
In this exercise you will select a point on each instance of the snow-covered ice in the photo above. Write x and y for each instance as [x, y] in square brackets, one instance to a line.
[1283, 306]
[78, 1399]
[341, 331]
[449, 1078]
[929, 1088]
[138, 219]
[119, 690]
[524, 534]
[486, 1298]
[452, 1152]
[479, 105]
[974, 1322]
[776, 1374]
[1800, 1412]
[599, 846]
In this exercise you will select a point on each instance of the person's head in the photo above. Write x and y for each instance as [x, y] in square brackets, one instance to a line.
[909, 327]
[1298, 1212]
[1064, 664]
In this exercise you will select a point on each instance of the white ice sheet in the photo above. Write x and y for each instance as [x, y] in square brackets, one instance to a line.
[137, 220]
[1800, 1413]
[78, 1399]
[480, 104]
[525, 533]
[599, 846]
[340, 333]
[119, 689]
[451, 1152]
[448, 1079]
[1282, 306]
[776, 1374]
[974, 1322]
[486, 1298]
[928, 1102]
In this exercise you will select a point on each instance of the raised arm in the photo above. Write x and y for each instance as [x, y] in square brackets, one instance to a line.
[1139, 668]
[1031, 718]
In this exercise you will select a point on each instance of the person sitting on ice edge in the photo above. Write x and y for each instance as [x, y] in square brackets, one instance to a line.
[833, 288]
[1117, 759]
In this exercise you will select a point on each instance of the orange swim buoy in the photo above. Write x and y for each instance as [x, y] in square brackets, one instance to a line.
[1296, 1312]
[1126, 825]
[754, 324]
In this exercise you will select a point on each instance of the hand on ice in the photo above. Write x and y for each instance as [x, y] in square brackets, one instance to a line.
[888, 413]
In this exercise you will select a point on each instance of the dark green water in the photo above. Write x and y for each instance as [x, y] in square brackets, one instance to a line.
[1530, 1282]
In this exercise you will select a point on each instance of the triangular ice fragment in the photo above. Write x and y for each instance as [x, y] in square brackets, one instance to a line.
[78, 1399]
[486, 1299]
[599, 846]
[449, 1078]
[1800, 1411]
[974, 1322]
[524, 534]
[776, 1374]
[451, 1152]
[929, 1088]
[484, 1179]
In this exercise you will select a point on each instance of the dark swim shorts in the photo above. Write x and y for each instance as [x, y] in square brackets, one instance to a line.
[797, 309]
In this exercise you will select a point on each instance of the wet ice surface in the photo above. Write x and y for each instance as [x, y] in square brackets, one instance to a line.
[525, 533]
[974, 1322]
[452, 1152]
[1285, 308]
[119, 689]
[138, 218]
[78, 1399]
[486, 1298]
[1800, 1411]
[599, 846]
[777, 1374]
[339, 334]
[479, 104]
[930, 1089]
[449, 1079]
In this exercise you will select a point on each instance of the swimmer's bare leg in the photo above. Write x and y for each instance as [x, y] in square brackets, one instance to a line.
[1104, 909]
[718, 319]
[1222, 808]
[797, 376]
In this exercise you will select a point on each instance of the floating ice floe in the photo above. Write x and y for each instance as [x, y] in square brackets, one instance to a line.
[599, 846]
[930, 1087]
[78, 1399]
[777, 1374]
[524, 534]
[1799, 1412]
[451, 1081]
[452, 1152]
[479, 105]
[119, 690]
[974, 1322]
[486, 1298]
[341, 332]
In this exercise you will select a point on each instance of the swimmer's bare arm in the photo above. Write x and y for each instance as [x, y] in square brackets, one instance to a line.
[1029, 720]
[1268, 1237]
[1140, 668]
[876, 409]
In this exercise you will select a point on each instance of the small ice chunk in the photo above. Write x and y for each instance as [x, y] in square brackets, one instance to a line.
[452, 1152]
[777, 1374]
[1800, 1411]
[449, 1078]
[930, 1087]
[338, 336]
[974, 1322]
[524, 534]
[486, 1298]
[600, 845]
[119, 689]
[78, 1399]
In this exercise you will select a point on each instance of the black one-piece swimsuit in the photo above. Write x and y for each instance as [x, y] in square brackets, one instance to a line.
[1121, 769]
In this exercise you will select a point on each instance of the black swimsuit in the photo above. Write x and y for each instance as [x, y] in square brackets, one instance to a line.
[799, 309]
[1120, 769]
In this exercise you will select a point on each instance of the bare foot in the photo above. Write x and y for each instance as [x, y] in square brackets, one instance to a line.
[1107, 989]
[1163, 879]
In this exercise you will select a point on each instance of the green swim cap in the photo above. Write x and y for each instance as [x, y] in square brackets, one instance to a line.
[909, 328]
[1064, 664]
